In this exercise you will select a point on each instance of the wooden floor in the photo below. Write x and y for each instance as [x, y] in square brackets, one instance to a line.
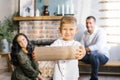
[101, 77]
[4, 75]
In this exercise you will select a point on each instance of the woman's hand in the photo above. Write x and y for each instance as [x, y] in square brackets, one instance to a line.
[80, 53]
[34, 56]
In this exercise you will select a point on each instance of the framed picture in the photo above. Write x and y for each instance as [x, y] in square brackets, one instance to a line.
[27, 8]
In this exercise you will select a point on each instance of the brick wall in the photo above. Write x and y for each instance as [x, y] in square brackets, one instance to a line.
[40, 30]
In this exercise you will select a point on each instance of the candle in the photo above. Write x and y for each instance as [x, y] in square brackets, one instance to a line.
[67, 9]
[37, 13]
[46, 2]
[72, 9]
[58, 9]
[63, 10]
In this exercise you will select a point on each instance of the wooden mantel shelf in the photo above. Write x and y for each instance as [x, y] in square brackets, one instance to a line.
[37, 18]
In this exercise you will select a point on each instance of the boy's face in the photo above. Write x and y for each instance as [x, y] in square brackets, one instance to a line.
[68, 31]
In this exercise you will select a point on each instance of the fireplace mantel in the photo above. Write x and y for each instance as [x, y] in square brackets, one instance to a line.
[51, 18]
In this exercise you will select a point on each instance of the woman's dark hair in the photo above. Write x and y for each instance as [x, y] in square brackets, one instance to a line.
[15, 49]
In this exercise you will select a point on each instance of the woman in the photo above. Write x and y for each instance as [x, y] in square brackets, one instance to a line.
[26, 68]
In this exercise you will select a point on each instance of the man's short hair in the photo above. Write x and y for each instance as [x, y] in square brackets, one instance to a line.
[91, 17]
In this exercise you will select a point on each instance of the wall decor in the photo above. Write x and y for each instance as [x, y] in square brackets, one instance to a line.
[27, 8]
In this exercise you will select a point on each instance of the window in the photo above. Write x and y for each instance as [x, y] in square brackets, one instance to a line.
[110, 20]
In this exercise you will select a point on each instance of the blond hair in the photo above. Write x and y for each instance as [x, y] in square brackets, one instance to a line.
[68, 20]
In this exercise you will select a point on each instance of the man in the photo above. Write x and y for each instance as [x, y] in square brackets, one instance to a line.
[94, 40]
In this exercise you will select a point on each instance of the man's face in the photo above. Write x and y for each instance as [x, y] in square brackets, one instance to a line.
[90, 24]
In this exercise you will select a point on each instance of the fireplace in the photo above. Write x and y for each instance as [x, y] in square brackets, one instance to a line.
[41, 30]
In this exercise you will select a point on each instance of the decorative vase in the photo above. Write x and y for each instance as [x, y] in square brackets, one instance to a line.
[45, 11]
[37, 12]
[4, 46]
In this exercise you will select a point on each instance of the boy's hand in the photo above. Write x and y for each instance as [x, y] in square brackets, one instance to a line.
[40, 77]
[80, 53]
[87, 49]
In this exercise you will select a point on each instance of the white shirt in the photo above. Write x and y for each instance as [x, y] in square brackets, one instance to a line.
[66, 69]
[96, 41]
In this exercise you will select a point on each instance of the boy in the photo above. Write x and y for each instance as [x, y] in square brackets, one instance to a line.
[67, 69]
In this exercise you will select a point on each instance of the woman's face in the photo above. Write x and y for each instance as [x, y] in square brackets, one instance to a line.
[22, 41]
